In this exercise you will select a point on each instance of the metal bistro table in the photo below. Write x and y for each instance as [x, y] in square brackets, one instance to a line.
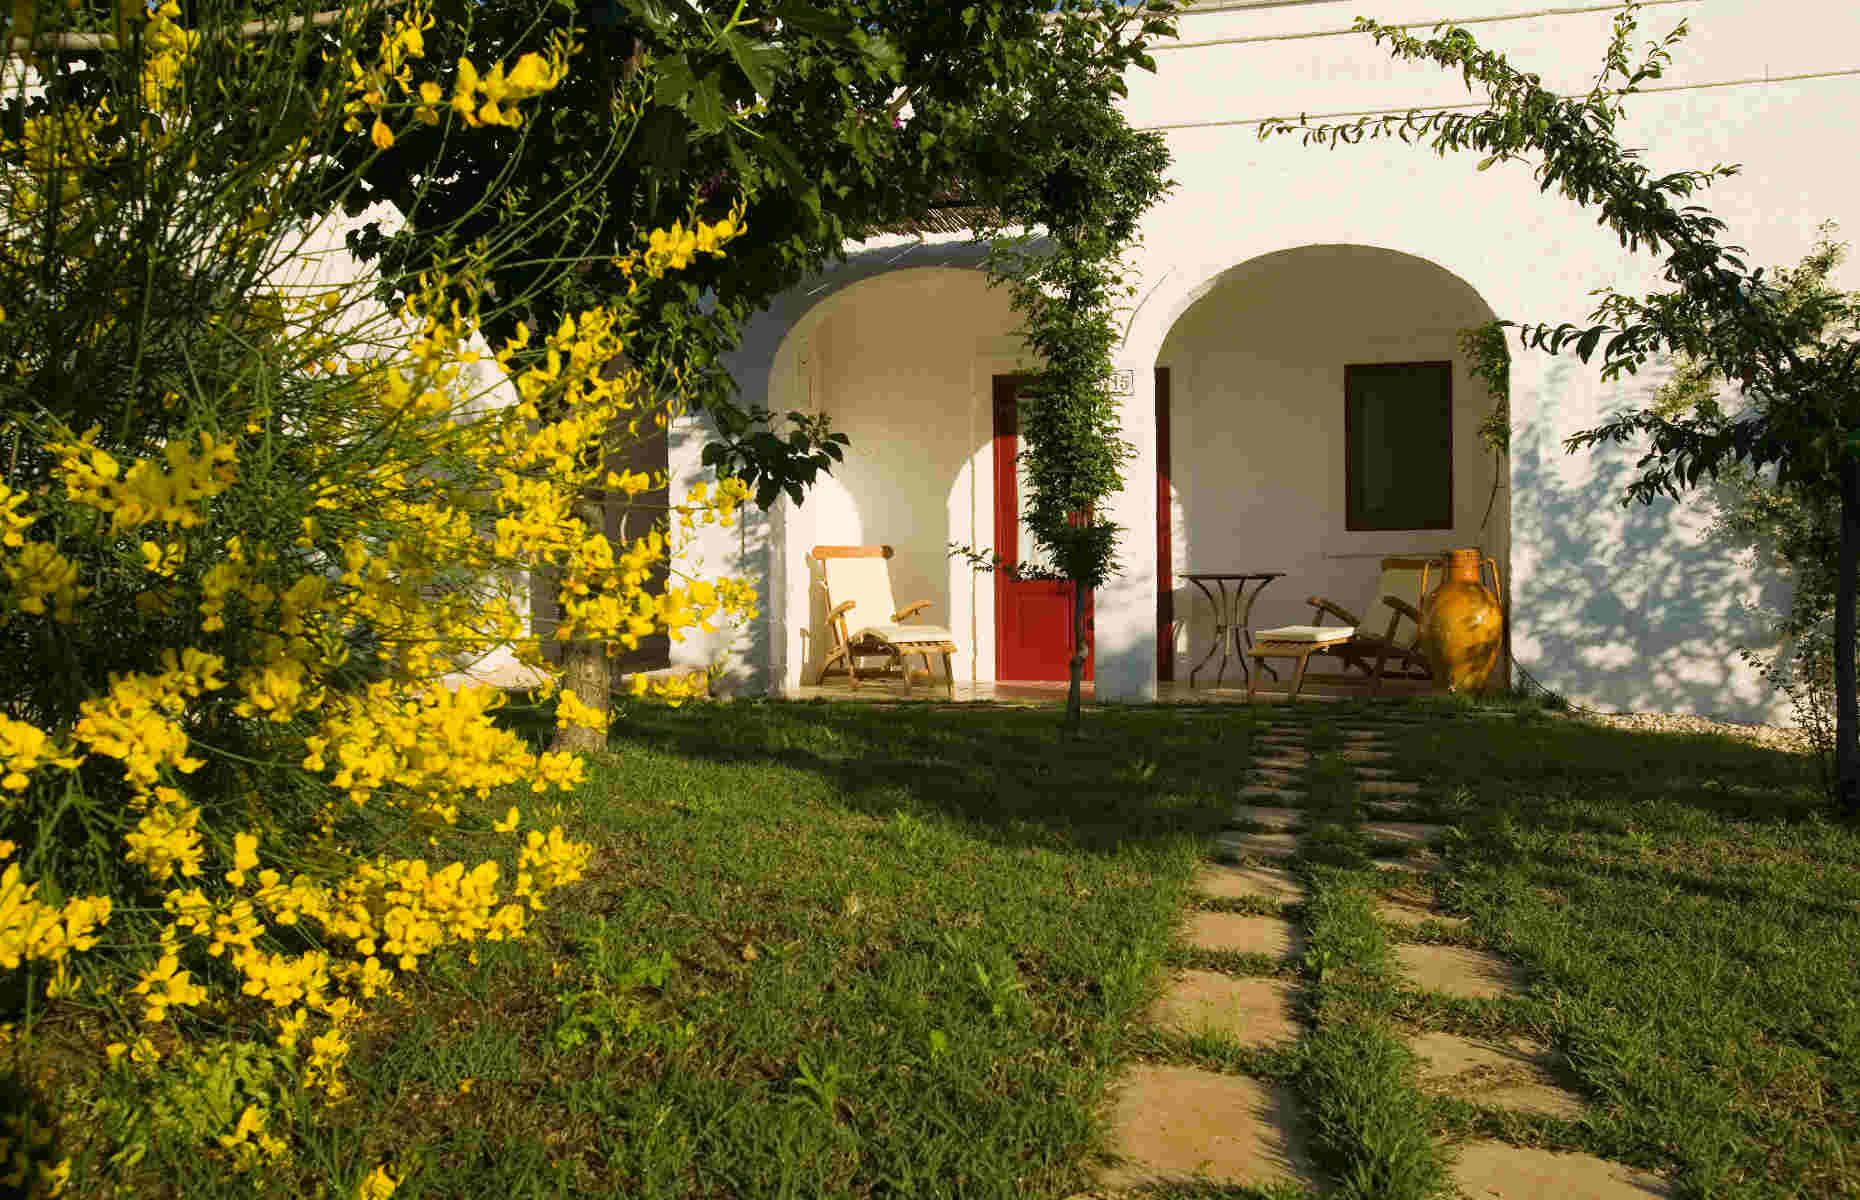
[1232, 614]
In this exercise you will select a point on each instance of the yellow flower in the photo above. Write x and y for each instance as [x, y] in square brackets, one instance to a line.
[167, 985]
[245, 857]
[378, 1186]
[381, 135]
[532, 76]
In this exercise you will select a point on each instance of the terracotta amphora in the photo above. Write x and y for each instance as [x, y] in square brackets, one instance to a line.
[1462, 624]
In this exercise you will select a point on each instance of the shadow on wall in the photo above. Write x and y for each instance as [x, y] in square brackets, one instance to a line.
[1633, 603]
[743, 551]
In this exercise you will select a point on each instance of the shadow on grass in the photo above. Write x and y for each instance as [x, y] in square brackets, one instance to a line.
[1009, 774]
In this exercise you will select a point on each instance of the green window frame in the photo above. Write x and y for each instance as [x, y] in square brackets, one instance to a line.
[1398, 446]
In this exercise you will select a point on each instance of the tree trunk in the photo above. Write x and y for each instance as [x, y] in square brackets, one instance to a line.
[1075, 694]
[586, 670]
[1846, 705]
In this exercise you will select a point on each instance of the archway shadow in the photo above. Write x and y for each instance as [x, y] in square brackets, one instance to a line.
[1006, 774]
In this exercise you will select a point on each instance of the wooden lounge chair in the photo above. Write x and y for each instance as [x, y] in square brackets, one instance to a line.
[1403, 584]
[857, 580]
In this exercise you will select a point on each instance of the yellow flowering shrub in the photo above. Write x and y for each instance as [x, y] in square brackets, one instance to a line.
[245, 530]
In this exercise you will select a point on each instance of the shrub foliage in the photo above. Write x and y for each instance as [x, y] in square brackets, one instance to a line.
[249, 519]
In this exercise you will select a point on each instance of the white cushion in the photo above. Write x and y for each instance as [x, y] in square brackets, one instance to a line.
[866, 581]
[903, 635]
[1306, 633]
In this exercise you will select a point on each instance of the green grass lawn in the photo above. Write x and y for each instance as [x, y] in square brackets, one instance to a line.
[853, 950]
[824, 951]
[1690, 925]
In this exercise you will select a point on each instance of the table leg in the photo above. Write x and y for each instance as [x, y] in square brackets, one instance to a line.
[1220, 631]
[1223, 627]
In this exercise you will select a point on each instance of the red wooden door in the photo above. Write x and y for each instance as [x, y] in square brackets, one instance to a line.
[1033, 617]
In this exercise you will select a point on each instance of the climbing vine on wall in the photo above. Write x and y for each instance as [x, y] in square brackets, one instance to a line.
[1489, 358]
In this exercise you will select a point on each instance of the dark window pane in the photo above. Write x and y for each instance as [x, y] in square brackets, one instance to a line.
[1398, 446]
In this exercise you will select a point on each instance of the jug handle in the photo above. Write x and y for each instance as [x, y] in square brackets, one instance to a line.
[1489, 561]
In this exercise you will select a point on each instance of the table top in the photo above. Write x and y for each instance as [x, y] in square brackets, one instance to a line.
[1231, 574]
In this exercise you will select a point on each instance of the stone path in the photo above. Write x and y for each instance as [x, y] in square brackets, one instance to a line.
[1180, 1124]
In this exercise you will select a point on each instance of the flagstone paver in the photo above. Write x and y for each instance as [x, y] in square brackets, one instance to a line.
[1408, 916]
[1289, 760]
[1264, 791]
[1458, 971]
[1232, 883]
[1363, 772]
[1403, 831]
[1271, 818]
[1513, 1073]
[1259, 845]
[1365, 756]
[1238, 934]
[1180, 1123]
[1497, 1171]
[1251, 1010]
[1388, 787]
[1275, 776]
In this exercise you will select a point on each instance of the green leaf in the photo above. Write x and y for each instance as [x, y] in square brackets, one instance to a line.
[655, 13]
[884, 55]
[811, 20]
[759, 61]
[675, 81]
[661, 141]
[789, 166]
[706, 104]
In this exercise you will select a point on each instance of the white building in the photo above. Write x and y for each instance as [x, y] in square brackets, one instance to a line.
[1270, 272]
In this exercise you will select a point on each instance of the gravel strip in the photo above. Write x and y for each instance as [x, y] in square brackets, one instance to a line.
[1775, 737]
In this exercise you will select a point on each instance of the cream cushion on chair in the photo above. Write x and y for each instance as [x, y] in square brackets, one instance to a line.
[1306, 633]
[867, 583]
[864, 581]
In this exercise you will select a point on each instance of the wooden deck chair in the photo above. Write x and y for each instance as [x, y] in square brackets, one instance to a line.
[1403, 584]
[857, 581]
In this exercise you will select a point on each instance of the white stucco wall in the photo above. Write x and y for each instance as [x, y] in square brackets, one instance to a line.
[316, 258]
[1616, 608]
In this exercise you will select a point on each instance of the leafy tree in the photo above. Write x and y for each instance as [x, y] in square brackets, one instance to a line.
[1784, 527]
[1081, 191]
[1800, 383]
[834, 119]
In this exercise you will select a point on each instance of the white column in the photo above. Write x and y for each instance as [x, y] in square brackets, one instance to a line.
[1125, 664]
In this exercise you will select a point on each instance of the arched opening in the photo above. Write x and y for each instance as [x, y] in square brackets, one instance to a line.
[902, 362]
[1320, 416]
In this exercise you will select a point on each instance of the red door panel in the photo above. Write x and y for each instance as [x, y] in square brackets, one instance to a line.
[1033, 617]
